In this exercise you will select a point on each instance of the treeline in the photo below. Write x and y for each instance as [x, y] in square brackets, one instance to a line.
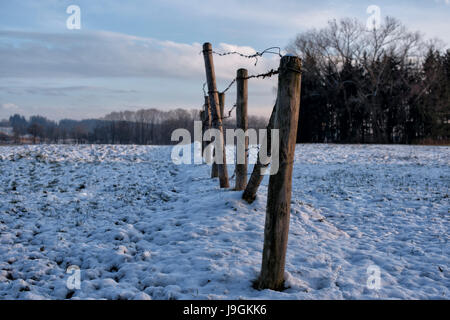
[381, 86]
[146, 127]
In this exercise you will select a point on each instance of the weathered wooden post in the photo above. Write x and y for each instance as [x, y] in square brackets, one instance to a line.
[202, 119]
[222, 104]
[206, 120]
[241, 123]
[257, 176]
[215, 113]
[280, 184]
[215, 169]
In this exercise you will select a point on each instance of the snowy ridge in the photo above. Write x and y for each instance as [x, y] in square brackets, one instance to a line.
[140, 227]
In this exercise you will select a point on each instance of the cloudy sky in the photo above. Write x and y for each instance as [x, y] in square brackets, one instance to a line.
[145, 54]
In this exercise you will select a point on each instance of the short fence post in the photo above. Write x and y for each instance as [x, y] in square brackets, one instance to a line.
[280, 184]
[215, 113]
[257, 176]
[215, 169]
[241, 123]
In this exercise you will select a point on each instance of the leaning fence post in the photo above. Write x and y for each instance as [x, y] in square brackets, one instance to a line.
[215, 169]
[215, 113]
[241, 123]
[280, 184]
[257, 176]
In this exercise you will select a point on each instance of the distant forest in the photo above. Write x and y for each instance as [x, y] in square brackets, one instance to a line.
[146, 126]
[381, 86]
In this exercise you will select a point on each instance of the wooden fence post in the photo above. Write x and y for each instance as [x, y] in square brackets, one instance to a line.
[206, 121]
[280, 184]
[257, 176]
[241, 123]
[221, 103]
[215, 169]
[202, 119]
[215, 113]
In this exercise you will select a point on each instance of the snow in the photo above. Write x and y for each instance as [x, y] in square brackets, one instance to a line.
[140, 227]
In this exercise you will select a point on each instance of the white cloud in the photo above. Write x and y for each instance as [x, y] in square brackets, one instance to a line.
[115, 55]
[61, 91]
[108, 54]
[9, 107]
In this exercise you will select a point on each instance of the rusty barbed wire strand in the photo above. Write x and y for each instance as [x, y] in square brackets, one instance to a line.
[268, 74]
[251, 56]
[248, 56]
[229, 112]
[248, 155]
[257, 76]
[261, 75]
[229, 86]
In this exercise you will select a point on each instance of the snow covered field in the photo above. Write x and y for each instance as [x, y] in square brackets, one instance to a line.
[140, 227]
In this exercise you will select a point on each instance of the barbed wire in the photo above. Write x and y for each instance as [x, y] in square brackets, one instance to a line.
[247, 154]
[230, 85]
[261, 75]
[268, 74]
[224, 117]
[255, 56]
[251, 56]
[229, 112]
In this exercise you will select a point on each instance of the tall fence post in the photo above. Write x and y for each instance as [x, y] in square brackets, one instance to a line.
[215, 168]
[241, 123]
[280, 184]
[215, 113]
